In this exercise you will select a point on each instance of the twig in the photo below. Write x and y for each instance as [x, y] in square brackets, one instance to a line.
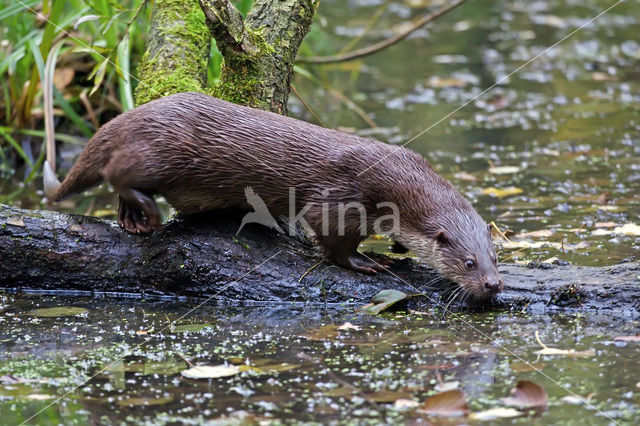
[376, 47]
[308, 107]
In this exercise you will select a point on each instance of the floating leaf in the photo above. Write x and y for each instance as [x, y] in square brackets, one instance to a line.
[542, 233]
[527, 394]
[143, 401]
[495, 413]
[576, 399]
[523, 366]
[184, 328]
[13, 380]
[57, 312]
[449, 403]
[628, 229]
[405, 404]
[439, 82]
[387, 396]
[502, 192]
[348, 326]
[566, 352]
[504, 170]
[39, 397]
[447, 386]
[148, 367]
[382, 301]
[635, 338]
[210, 371]
[329, 331]
[605, 224]
[468, 177]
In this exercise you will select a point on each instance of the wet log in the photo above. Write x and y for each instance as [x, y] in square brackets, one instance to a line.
[201, 256]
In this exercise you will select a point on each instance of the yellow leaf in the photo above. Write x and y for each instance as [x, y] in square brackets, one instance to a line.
[504, 170]
[502, 192]
[628, 229]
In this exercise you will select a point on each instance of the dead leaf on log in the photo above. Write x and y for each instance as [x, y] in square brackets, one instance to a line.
[447, 404]
[527, 394]
[17, 221]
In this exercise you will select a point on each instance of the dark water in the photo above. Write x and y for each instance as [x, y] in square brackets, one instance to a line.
[120, 360]
[567, 126]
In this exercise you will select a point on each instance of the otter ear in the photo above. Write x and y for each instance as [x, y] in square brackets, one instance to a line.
[441, 237]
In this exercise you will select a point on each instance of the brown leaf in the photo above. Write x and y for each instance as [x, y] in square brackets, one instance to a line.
[603, 198]
[635, 338]
[387, 396]
[329, 331]
[449, 403]
[62, 77]
[527, 394]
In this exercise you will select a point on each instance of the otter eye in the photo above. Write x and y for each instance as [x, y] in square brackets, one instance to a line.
[470, 263]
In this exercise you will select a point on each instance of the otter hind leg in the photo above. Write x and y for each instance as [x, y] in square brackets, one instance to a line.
[133, 219]
[344, 251]
[138, 212]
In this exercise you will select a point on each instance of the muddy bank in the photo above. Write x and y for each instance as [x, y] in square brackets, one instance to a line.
[202, 256]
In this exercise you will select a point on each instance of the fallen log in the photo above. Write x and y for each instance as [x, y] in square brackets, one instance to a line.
[201, 256]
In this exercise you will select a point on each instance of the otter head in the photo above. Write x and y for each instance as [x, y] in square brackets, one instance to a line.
[458, 245]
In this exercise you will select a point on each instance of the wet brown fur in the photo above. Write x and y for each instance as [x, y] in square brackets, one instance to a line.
[201, 153]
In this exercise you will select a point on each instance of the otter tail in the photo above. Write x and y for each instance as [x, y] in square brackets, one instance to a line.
[84, 174]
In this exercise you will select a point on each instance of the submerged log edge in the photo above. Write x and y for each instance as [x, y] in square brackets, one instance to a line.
[202, 256]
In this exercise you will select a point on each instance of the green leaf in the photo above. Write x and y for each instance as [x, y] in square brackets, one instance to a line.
[382, 301]
[57, 312]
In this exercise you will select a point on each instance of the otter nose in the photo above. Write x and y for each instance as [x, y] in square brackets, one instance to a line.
[494, 285]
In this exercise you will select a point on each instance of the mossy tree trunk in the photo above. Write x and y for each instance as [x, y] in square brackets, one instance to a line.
[258, 51]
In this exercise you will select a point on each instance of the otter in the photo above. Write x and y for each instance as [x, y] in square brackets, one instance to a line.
[203, 153]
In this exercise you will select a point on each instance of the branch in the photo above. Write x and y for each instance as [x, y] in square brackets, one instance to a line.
[383, 44]
[226, 26]
[202, 256]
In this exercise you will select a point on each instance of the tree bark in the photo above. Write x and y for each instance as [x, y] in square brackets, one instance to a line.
[201, 256]
[177, 51]
[258, 53]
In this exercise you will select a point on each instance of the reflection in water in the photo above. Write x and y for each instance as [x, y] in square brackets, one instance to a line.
[565, 132]
[297, 363]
